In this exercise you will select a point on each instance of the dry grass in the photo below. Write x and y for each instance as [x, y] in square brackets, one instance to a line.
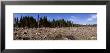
[66, 33]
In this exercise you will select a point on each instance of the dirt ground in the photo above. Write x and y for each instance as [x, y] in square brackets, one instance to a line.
[65, 33]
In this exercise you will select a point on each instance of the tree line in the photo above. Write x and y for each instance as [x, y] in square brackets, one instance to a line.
[30, 21]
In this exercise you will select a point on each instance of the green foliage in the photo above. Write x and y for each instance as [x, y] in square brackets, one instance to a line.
[16, 22]
[26, 21]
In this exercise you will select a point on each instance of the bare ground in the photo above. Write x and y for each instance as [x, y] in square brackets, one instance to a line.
[65, 33]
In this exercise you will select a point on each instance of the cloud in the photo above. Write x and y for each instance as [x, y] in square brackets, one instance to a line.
[89, 19]
[58, 17]
[73, 19]
[92, 17]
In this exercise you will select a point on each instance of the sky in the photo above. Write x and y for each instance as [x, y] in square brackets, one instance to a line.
[78, 18]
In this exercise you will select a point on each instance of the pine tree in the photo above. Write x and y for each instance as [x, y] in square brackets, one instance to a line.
[17, 21]
[14, 22]
[38, 20]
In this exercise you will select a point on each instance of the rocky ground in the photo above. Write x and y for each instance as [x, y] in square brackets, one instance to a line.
[65, 33]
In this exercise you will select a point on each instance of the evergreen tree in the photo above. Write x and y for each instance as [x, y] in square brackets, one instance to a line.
[14, 22]
[30, 21]
[17, 22]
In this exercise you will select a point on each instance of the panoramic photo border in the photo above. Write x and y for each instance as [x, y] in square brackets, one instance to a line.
[85, 3]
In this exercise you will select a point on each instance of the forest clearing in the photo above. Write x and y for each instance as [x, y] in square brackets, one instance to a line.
[64, 33]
